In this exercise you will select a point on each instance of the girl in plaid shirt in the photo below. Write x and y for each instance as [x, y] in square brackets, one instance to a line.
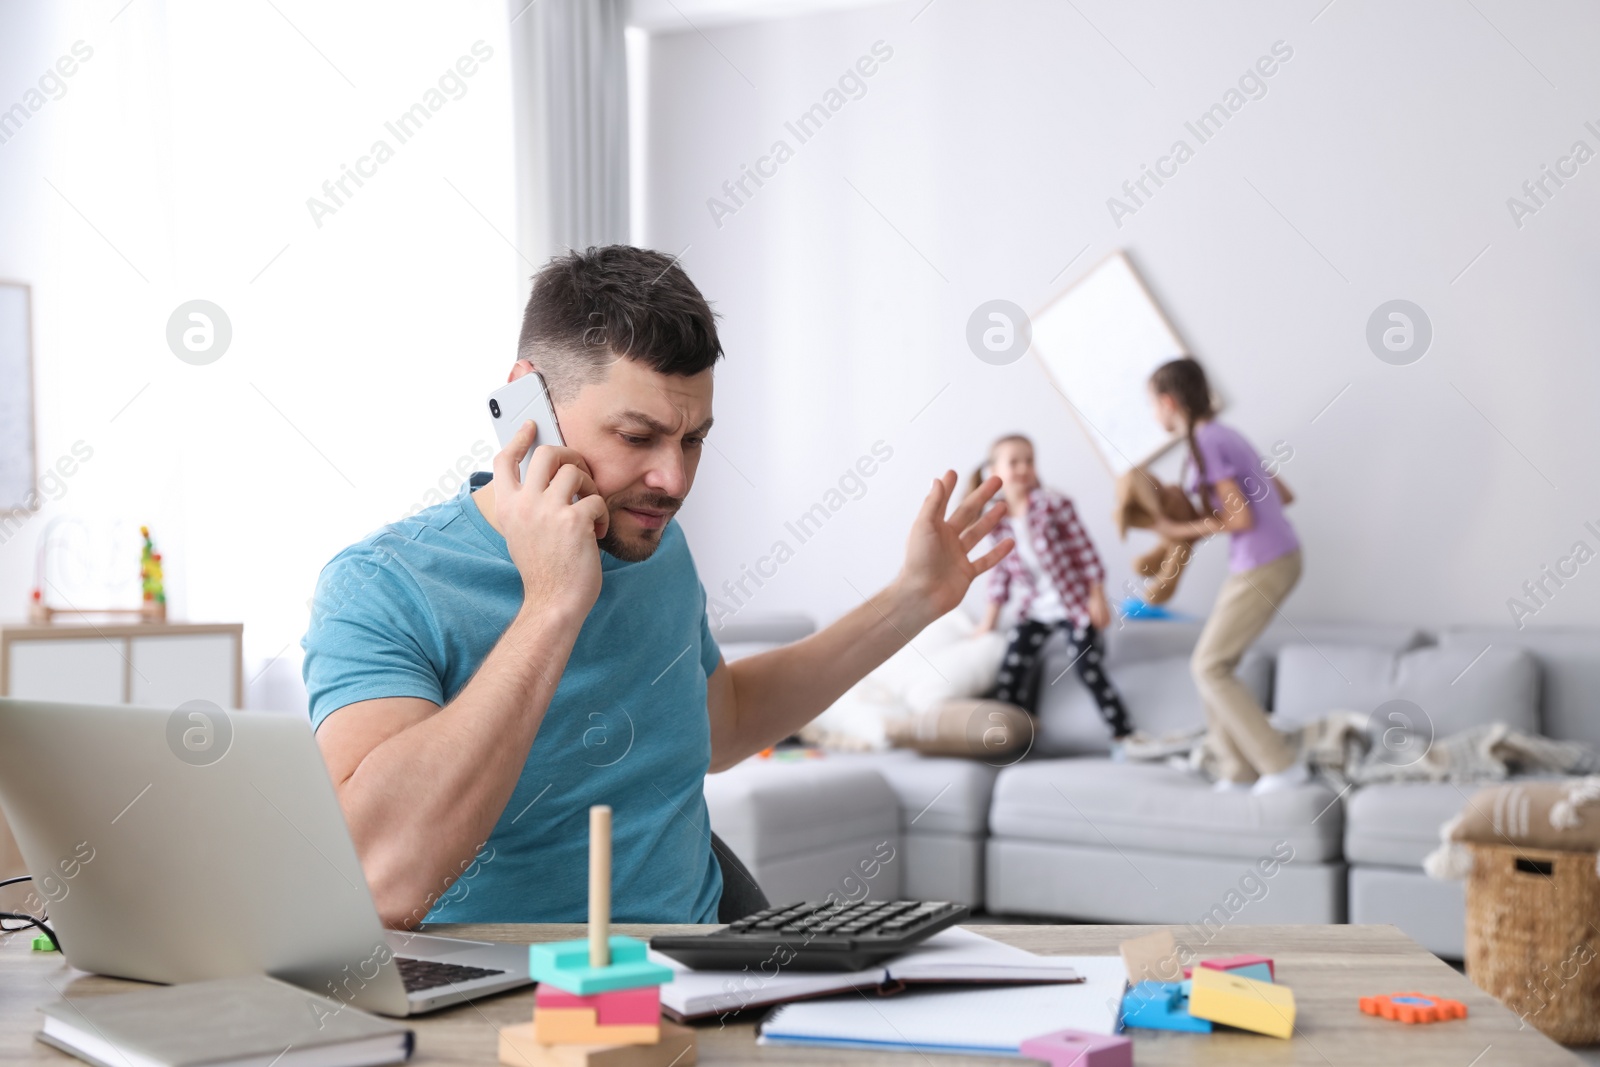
[1061, 581]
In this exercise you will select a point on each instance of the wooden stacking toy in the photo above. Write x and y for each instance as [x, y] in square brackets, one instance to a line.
[599, 1001]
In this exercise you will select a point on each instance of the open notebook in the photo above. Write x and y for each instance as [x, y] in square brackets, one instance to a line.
[981, 1021]
[950, 956]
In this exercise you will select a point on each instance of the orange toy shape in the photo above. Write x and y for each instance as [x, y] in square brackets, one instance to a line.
[1414, 1008]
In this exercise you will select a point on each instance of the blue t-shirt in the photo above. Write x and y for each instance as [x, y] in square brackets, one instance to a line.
[413, 609]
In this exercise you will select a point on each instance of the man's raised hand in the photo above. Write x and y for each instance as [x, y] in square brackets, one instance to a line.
[552, 537]
[937, 570]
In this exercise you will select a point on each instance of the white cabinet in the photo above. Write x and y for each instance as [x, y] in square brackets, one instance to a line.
[155, 664]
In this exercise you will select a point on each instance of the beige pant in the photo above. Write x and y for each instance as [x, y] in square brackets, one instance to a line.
[1238, 734]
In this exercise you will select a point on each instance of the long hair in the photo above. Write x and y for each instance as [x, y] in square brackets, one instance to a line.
[1184, 380]
[977, 472]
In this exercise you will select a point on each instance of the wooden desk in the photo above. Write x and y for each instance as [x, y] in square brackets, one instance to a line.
[1328, 967]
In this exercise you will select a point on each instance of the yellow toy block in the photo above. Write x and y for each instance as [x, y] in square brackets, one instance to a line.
[579, 1026]
[1224, 997]
[519, 1048]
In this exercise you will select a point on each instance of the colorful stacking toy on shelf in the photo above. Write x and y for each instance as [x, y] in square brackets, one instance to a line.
[599, 1001]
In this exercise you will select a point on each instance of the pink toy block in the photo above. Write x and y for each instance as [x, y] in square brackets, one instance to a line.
[624, 1007]
[1074, 1048]
[1234, 963]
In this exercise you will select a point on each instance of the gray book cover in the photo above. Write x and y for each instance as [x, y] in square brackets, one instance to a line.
[227, 1020]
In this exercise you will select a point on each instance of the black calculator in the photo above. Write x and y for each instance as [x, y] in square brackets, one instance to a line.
[814, 937]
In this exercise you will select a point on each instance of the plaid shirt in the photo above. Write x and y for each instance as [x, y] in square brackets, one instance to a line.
[1063, 548]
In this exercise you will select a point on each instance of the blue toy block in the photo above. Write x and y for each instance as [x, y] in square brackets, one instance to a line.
[565, 965]
[1160, 1006]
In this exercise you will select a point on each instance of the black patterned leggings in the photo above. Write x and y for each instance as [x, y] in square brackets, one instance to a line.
[1019, 682]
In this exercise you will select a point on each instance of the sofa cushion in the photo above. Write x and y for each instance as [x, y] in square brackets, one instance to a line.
[1396, 825]
[1394, 637]
[1131, 640]
[1461, 687]
[766, 809]
[1311, 680]
[1159, 694]
[935, 795]
[1153, 808]
[1430, 912]
[1452, 687]
[1569, 673]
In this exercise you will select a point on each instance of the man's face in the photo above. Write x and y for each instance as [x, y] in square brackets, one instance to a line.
[641, 432]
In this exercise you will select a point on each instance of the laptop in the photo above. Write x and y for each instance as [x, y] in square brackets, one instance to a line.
[181, 845]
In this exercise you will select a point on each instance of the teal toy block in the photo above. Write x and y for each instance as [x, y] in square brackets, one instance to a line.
[565, 965]
[1160, 1006]
[1257, 967]
[1259, 971]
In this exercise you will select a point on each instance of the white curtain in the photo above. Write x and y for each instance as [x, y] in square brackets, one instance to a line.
[571, 111]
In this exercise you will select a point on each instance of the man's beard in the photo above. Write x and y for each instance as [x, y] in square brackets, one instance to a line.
[634, 550]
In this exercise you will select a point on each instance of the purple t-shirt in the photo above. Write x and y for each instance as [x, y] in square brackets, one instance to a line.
[1228, 455]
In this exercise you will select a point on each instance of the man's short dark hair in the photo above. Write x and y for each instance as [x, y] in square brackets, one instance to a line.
[590, 308]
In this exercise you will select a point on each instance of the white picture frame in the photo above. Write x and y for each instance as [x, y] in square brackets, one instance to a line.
[1098, 340]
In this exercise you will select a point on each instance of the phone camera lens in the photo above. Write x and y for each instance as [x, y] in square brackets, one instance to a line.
[494, 408]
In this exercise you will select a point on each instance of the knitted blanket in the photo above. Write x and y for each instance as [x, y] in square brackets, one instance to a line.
[1341, 749]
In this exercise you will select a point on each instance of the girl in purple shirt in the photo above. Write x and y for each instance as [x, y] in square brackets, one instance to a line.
[1240, 497]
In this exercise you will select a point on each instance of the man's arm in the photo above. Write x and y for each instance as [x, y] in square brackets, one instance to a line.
[764, 698]
[422, 786]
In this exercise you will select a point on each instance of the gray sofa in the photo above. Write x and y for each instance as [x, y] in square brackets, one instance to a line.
[1073, 835]
[1066, 833]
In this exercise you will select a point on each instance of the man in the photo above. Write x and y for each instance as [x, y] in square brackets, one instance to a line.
[484, 671]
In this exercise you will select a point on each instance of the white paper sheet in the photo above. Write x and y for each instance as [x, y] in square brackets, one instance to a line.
[992, 1021]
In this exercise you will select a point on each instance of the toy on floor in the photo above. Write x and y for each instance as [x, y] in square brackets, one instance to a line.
[1074, 1048]
[1414, 1008]
[1224, 997]
[599, 1001]
[1134, 608]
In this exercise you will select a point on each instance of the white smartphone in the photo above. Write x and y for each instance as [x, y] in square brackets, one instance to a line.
[515, 403]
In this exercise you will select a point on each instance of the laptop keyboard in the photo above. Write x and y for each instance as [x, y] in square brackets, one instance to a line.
[430, 974]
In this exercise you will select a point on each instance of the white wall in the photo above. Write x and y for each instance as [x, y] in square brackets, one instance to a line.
[1377, 166]
[362, 349]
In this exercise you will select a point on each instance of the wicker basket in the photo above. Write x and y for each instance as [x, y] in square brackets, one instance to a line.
[1532, 917]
